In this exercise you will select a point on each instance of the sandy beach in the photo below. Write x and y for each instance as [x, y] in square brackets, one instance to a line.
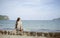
[18, 36]
[26, 34]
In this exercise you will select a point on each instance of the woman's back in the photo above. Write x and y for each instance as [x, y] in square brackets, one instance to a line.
[18, 24]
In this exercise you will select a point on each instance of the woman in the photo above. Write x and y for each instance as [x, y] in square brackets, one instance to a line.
[18, 26]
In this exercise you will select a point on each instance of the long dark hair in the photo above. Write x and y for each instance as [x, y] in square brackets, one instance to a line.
[16, 22]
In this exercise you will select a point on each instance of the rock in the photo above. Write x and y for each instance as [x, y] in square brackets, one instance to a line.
[4, 17]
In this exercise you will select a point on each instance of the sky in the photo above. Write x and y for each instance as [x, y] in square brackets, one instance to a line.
[30, 9]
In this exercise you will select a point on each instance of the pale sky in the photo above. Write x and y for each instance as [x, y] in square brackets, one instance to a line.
[30, 9]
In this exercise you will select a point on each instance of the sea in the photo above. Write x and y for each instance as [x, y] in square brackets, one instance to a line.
[32, 25]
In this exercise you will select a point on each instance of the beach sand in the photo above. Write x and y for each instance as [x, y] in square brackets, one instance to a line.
[18, 36]
[11, 34]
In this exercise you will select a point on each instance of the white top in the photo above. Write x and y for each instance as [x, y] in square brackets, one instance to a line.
[19, 24]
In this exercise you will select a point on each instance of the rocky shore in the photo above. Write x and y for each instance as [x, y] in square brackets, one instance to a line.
[27, 33]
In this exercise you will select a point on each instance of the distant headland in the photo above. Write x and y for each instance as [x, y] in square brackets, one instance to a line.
[57, 19]
[4, 17]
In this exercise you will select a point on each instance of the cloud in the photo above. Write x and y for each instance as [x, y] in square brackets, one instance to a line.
[30, 9]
